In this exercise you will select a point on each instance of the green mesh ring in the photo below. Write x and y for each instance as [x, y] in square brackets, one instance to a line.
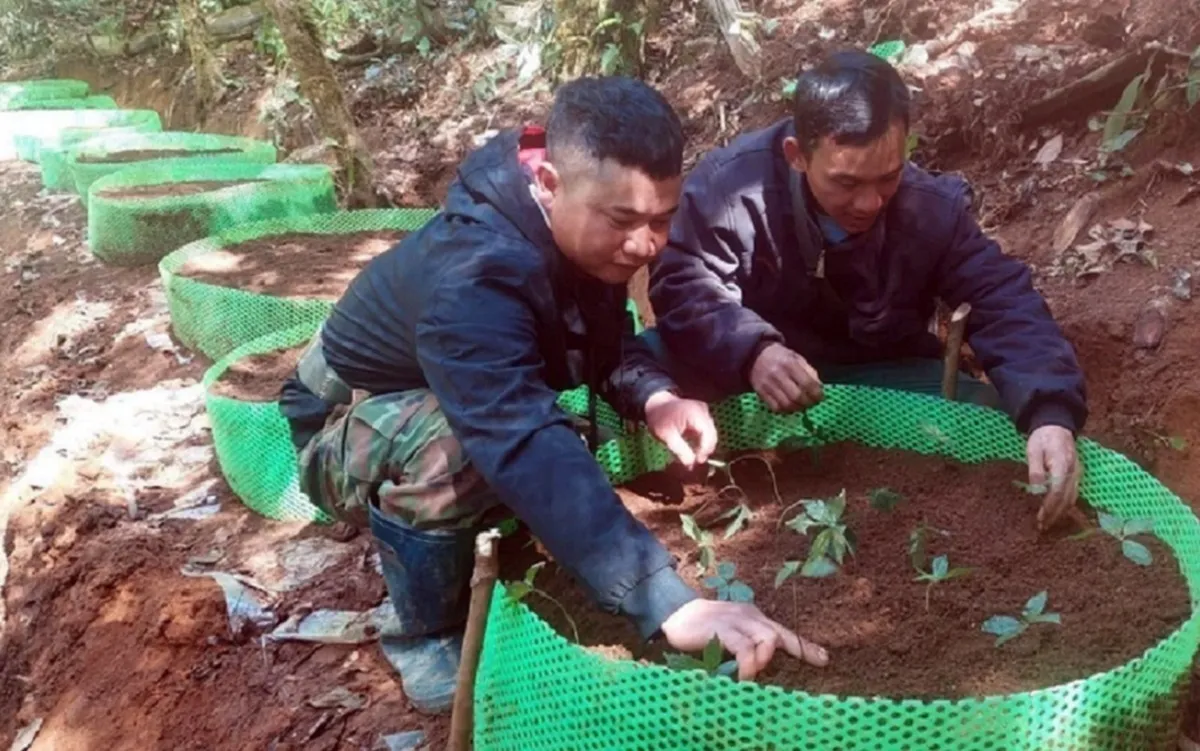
[48, 122]
[536, 691]
[60, 88]
[214, 320]
[133, 231]
[51, 152]
[81, 103]
[85, 171]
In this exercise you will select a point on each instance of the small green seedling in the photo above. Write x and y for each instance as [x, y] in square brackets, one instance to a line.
[833, 541]
[709, 662]
[728, 587]
[740, 515]
[918, 544]
[1005, 627]
[519, 590]
[884, 499]
[702, 538]
[1123, 530]
[940, 571]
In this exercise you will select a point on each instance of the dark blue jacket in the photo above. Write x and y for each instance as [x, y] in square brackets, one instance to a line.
[482, 308]
[740, 272]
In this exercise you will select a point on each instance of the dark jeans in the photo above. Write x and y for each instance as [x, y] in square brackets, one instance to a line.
[917, 375]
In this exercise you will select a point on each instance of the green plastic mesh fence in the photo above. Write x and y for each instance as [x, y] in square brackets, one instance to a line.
[50, 88]
[535, 690]
[100, 102]
[93, 159]
[47, 122]
[134, 228]
[51, 151]
[214, 320]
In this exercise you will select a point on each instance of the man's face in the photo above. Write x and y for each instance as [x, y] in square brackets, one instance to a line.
[852, 183]
[610, 220]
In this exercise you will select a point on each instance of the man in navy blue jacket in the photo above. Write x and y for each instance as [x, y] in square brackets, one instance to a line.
[811, 251]
[463, 335]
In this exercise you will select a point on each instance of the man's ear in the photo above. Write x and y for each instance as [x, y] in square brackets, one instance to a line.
[794, 154]
[549, 183]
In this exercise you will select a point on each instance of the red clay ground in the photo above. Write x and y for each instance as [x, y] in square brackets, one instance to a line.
[102, 424]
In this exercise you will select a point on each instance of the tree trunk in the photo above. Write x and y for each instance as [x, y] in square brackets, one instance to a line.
[591, 40]
[745, 50]
[317, 83]
[209, 82]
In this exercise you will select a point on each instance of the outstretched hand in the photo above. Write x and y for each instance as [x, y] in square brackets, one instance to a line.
[1054, 465]
[742, 629]
[673, 420]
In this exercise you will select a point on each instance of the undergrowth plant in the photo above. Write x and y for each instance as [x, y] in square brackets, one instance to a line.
[938, 572]
[519, 590]
[729, 588]
[703, 539]
[1006, 627]
[833, 540]
[884, 499]
[918, 544]
[710, 660]
[740, 515]
[1123, 529]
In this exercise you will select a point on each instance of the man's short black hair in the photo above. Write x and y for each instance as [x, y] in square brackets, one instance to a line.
[618, 118]
[852, 97]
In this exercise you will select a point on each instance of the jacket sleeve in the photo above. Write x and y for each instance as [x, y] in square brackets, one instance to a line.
[695, 287]
[477, 345]
[1012, 331]
[632, 375]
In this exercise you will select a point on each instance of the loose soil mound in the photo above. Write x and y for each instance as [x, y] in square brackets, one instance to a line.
[872, 615]
[302, 265]
[258, 378]
[141, 155]
[173, 189]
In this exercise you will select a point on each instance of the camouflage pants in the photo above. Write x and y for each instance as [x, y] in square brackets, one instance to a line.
[394, 451]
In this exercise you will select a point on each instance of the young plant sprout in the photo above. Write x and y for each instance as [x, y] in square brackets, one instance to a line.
[703, 540]
[884, 499]
[1124, 529]
[728, 587]
[709, 662]
[739, 515]
[918, 544]
[940, 571]
[1005, 627]
[833, 540]
[519, 590]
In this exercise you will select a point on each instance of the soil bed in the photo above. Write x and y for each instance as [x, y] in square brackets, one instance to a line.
[301, 265]
[141, 155]
[173, 189]
[872, 615]
[258, 378]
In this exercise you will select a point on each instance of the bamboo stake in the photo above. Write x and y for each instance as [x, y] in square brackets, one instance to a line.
[483, 580]
[954, 340]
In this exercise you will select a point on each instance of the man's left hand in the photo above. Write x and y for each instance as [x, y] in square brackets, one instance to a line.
[673, 420]
[1054, 465]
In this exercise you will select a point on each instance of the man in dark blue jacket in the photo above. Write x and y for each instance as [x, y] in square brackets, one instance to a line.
[463, 336]
[811, 251]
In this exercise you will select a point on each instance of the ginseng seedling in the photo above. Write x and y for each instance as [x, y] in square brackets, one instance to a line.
[833, 540]
[1005, 627]
[519, 590]
[1123, 529]
[728, 587]
[940, 571]
[702, 538]
[709, 662]
[739, 515]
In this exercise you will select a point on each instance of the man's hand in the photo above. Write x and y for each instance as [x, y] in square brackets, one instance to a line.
[1054, 465]
[672, 420]
[742, 629]
[785, 380]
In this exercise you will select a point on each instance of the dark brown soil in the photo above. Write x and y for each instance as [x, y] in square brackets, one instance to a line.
[258, 378]
[871, 615]
[141, 155]
[173, 189]
[297, 266]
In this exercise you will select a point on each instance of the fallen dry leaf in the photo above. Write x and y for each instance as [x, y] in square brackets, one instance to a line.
[1049, 151]
[1075, 220]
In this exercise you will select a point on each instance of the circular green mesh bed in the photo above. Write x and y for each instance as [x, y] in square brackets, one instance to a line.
[132, 230]
[47, 122]
[51, 150]
[87, 160]
[538, 691]
[214, 320]
[99, 102]
[14, 92]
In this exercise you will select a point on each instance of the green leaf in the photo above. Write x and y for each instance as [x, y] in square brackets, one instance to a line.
[884, 499]
[1037, 603]
[817, 511]
[1178, 443]
[1115, 125]
[802, 523]
[1137, 552]
[728, 668]
[508, 526]
[741, 514]
[1122, 140]
[1009, 637]
[723, 592]
[1138, 527]
[958, 571]
[706, 558]
[1003, 626]
[786, 571]
[677, 661]
[848, 538]
[1039, 489]
[821, 544]
[1054, 618]
[1193, 88]
[741, 592]
[941, 566]
[690, 527]
[787, 87]
[610, 59]
[518, 590]
[713, 582]
[726, 570]
[818, 568]
[423, 47]
[917, 551]
[835, 507]
[910, 144]
[712, 654]
[1110, 524]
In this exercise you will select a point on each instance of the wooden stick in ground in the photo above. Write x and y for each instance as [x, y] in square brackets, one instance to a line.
[954, 340]
[483, 579]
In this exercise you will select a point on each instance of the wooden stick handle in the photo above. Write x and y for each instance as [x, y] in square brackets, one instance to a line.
[483, 580]
[954, 340]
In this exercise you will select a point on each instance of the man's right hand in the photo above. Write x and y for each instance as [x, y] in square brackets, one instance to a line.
[784, 380]
[742, 629]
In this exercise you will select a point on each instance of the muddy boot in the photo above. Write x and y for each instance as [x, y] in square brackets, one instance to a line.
[428, 575]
